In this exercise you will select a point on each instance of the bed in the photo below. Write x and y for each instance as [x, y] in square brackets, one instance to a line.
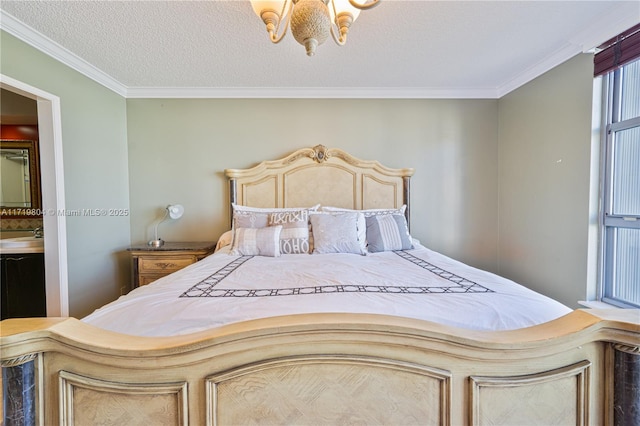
[319, 307]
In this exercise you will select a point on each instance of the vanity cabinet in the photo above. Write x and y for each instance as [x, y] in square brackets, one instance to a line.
[23, 285]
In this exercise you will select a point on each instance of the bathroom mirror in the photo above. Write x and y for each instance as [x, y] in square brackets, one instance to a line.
[20, 193]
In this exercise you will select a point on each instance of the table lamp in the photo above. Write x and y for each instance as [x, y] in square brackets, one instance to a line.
[173, 211]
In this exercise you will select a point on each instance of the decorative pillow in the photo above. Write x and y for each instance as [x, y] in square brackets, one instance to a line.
[257, 217]
[362, 225]
[224, 240]
[387, 232]
[367, 212]
[335, 233]
[257, 241]
[294, 238]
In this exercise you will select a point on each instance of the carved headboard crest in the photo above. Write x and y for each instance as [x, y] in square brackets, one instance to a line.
[320, 153]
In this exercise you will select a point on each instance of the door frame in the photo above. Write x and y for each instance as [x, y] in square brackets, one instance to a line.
[53, 200]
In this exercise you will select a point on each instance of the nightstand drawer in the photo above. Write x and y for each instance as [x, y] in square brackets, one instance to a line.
[151, 263]
[170, 264]
[149, 278]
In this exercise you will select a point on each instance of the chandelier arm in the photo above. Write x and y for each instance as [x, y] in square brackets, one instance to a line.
[364, 6]
[275, 39]
[340, 41]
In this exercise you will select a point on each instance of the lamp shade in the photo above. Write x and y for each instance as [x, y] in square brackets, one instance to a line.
[175, 211]
[342, 6]
[260, 6]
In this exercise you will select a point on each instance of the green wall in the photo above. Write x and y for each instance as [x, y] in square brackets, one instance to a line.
[179, 148]
[544, 158]
[95, 172]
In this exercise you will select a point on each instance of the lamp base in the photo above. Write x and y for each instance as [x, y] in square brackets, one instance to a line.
[156, 243]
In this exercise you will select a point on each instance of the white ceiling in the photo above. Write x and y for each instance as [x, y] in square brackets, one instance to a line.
[400, 49]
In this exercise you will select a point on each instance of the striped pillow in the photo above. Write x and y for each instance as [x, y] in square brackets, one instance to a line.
[387, 232]
[257, 241]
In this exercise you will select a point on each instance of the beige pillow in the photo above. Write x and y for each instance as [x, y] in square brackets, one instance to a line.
[257, 241]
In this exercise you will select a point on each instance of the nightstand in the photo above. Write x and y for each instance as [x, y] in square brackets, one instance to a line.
[151, 263]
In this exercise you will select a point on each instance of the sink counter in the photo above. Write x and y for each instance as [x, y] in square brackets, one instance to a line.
[21, 245]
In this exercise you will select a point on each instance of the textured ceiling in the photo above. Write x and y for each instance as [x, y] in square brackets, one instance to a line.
[398, 49]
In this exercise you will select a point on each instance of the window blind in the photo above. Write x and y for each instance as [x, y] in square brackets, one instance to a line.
[618, 51]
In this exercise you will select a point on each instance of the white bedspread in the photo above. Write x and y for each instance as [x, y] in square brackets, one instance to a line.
[422, 284]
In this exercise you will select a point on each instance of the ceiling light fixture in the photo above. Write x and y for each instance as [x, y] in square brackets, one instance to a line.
[311, 21]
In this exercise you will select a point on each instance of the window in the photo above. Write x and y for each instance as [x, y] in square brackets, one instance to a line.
[620, 218]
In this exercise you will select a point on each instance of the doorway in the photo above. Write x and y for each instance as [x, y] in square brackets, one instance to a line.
[52, 178]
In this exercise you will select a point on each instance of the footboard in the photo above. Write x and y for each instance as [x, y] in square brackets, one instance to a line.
[326, 369]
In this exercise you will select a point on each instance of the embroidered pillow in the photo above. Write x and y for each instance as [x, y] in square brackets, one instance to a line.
[294, 238]
[335, 233]
[387, 232]
[257, 241]
[257, 217]
[366, 212]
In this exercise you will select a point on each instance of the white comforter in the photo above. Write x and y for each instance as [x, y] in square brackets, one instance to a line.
[423, 284]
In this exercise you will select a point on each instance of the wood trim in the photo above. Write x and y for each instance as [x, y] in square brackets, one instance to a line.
[576, 414]
[108, 396]
[35, 188]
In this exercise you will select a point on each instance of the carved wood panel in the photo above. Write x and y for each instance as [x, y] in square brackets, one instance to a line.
[330, 390]
[88, 401]
[556, 397]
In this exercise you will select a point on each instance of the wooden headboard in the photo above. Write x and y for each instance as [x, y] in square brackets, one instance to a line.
[328, 176]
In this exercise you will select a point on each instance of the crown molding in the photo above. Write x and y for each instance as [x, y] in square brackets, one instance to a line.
[312, 92]
[606, 27]
[550, 62]
[49, 47]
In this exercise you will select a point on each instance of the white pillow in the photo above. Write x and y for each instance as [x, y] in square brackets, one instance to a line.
[257, 241]
[366, 212]
[362, 224]
[335, 233]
